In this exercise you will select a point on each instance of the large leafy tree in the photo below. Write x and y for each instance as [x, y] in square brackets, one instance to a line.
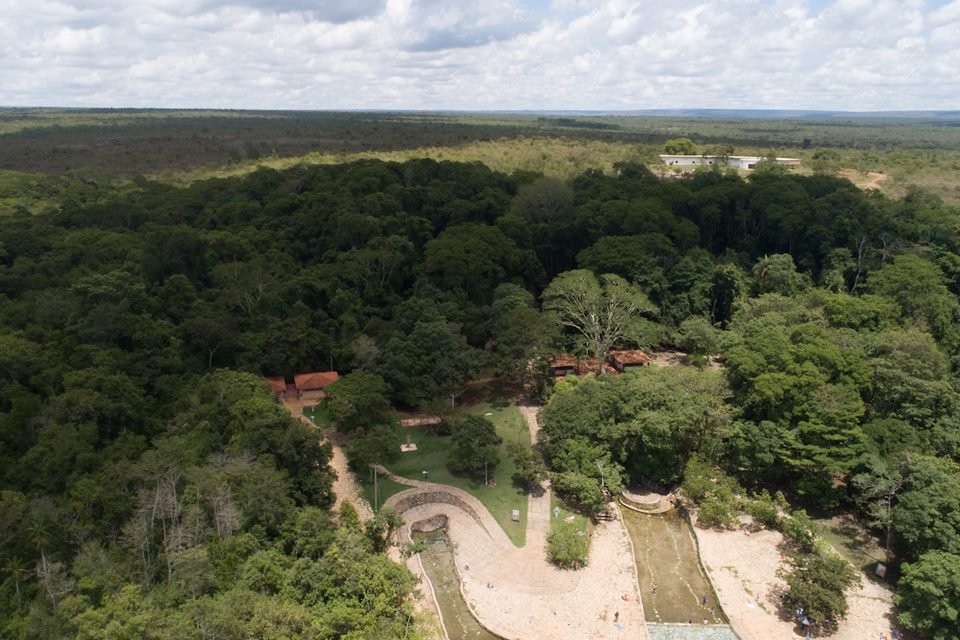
[432, 362]
[928, 595]
[600, 312]
[476, 446]
[357, 399]
[818, 582]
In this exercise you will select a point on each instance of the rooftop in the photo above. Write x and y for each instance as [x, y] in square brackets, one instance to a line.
[314, 381]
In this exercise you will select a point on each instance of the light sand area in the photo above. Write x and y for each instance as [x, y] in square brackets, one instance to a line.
[743, 571]
[517, 593]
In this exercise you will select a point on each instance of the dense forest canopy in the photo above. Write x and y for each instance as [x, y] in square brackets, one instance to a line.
[151, 485]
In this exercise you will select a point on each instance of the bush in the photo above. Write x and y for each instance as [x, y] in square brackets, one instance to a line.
[568, 547]
[765, 510]
[714, 492]
[818, 582]
[802, 531]
[716, 511]
[530, 470]
[699, 478]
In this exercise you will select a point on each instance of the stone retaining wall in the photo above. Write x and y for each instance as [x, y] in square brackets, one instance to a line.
[430, 524]
[420, 498]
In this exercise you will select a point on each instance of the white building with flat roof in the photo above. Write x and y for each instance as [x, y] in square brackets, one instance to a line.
[737, 162]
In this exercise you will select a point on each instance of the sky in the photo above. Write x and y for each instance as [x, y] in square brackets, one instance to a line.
[481, 55]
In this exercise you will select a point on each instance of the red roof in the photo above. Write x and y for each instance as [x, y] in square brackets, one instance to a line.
[590, 366]
[630, 356]
[314, 381]
[563, 360]
[279, 385]
[580, 367]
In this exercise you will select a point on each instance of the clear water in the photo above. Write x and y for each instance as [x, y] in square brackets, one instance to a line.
[690, 632]
[437, 562]
[666, 556]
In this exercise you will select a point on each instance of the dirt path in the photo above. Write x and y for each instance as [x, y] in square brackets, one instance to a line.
[345, 486]
[878, 179]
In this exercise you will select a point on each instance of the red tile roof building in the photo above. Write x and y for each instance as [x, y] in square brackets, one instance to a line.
[626, 359]
[279, 387]
[310, 386]
[565, 364]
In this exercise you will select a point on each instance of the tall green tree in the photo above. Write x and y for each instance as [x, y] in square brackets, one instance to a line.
[928, 595]
[600, 312]
[476, 446]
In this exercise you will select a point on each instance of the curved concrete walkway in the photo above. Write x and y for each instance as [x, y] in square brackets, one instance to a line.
[517, 593]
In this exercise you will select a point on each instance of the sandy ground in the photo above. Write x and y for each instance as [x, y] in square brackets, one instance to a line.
[673, 358]
[869, 180]
[743, 571]
[518, 594]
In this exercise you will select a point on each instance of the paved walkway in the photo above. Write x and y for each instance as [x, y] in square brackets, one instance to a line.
[517, 593]
[538, 507]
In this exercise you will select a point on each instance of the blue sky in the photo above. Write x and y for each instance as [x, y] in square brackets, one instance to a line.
[482, 54]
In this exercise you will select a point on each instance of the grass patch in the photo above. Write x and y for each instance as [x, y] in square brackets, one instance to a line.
[569, 535]
[319, 415]
[853, 542]
[500, 499]
[385, 488]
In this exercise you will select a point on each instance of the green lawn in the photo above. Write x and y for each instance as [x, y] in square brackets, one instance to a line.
[500, 499]
[318, 414]
[557, 505]
[578, 528]
[854, 543]
[385, 488]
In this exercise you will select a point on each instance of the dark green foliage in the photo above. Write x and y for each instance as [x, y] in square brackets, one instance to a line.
[645, 424]
[530, 470]
[357, 400]
[476, 446]
[136, 326]
[802, 532]
[818, 582]
[431, 362]
[379, 444]
[568, 547]
[926, 513]
[928, 595]
[766, 510]
[716, 494]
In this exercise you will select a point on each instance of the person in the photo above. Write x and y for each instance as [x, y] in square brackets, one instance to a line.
[616, 616]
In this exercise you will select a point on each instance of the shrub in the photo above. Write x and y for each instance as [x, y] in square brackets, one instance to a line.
[802, 531]
[818, 582]
[765, 510]
[698, 478]
[716, 511]
[568, 547]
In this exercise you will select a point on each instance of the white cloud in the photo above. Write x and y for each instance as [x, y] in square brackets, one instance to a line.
[481, 54]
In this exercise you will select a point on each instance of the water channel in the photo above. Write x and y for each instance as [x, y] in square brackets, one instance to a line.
[438, 564]
[672, 585]
[666, 556]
